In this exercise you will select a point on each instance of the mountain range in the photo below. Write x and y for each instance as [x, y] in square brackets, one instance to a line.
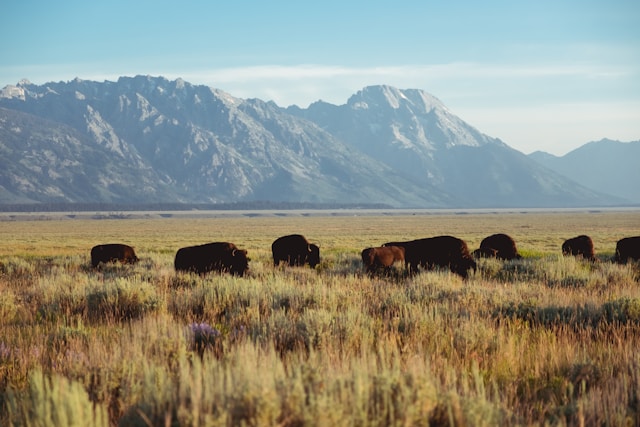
[150, 140]
[606, 166]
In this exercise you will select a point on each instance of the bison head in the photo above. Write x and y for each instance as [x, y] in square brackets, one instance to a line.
[314, 255]
[464, 266]
[239, 262]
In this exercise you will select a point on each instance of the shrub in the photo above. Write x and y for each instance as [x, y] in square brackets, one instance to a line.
[8, 307]
[51, 401]
[122, 299]
[624, 310]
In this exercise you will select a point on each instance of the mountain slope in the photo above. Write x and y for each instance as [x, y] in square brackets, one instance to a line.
[605, 166]
[42, 160]
[413, 132]
[402, 128]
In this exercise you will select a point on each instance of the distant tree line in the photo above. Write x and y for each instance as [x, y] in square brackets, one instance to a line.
[170, 206]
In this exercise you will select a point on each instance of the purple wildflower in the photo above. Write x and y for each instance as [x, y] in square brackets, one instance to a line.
[205, 336]
[204, 330]
[5, 351]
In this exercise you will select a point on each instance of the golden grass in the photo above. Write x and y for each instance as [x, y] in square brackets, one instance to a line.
[546, 340]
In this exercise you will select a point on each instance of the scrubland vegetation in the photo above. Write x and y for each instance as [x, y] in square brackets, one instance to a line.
[545, 340]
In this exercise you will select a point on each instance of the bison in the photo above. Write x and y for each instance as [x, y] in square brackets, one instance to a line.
[374, 259]
[295, 250]
[627, 249]
[217, 256]
[112, 252]
[485, 253]
[440, 251]
[503, 244]
[580, 246]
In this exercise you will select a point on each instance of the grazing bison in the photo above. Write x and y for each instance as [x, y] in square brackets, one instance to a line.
[580, 246]
[503, 244]
[439, 251]
[485, 253]
[217, 256]
[374, 259]
[627, 249]
[294, 249]
[113, 252]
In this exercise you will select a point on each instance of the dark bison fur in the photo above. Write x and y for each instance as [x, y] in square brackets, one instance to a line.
[627, 249]
[503, 244]
[580, 246]
[113, 252]
[222, 257]
[485, 253]
[295, 250]
[440, 251]
[381, 258]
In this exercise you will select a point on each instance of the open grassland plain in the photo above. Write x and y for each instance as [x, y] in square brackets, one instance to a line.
[543, 340]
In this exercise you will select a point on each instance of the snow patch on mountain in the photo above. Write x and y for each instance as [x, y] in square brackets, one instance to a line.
[399, 138]
[11, 91]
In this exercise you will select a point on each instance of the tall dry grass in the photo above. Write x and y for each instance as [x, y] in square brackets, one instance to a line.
[546, 340]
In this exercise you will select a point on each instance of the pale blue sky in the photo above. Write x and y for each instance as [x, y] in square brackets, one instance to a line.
[540, 75]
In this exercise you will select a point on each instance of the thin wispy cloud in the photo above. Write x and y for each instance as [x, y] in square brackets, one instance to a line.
[405, 76]
[303, 84]
[452, 70]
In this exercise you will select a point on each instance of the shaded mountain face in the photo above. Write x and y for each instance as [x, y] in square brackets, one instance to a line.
[498, 176]
[606, 166]
[151, 139]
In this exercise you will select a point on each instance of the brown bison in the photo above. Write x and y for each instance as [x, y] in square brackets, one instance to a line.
[440, 251]
[580, 246]
[113, 252]
[295, 250]
[485, 253]
[503, 244]
[627, 249]
[381, 258]
[217, 256]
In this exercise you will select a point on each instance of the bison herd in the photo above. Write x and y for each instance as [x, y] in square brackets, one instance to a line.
[441, 251]
[295, 250]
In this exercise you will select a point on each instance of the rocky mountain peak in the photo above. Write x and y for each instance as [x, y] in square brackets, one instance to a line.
[384, 96]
